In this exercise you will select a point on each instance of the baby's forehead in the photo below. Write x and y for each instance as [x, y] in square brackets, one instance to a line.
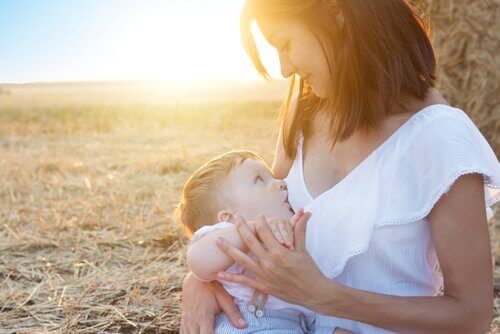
[248, 167]
[251, 164]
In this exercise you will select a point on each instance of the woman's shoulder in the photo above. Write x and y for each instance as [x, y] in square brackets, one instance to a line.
[441, 124]
[442, 132]
[439, 113]
[441, 145]
[435, 109]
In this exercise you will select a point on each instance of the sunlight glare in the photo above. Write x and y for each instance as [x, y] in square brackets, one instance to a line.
[178, 42]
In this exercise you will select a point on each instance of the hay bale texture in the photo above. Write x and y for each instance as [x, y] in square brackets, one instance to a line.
[466, 38]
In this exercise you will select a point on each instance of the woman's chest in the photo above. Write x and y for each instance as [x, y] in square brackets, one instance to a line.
[324, 167]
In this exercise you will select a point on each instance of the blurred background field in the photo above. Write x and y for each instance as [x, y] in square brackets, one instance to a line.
[90, 172]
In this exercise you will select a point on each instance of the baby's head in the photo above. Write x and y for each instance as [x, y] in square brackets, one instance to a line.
[234, 182]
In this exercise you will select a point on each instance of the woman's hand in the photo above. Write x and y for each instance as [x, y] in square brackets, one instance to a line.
[279, 271]
[202, 302]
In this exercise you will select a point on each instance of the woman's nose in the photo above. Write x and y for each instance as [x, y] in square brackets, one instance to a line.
[287, 68]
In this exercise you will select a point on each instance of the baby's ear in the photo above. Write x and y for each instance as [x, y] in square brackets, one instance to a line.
[226, 216]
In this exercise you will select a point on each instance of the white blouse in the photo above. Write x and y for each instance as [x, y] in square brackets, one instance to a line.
[370, 230]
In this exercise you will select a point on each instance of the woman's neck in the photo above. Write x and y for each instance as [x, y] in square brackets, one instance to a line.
[409, 104]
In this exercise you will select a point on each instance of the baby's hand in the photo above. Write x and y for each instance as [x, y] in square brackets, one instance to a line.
[296, 217]
[282, 230]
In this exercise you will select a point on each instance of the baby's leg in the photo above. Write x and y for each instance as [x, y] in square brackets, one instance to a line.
[272, 321]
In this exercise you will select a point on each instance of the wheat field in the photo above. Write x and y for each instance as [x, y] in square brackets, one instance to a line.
[86, 190]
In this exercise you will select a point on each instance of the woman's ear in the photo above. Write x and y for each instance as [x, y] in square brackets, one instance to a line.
[226, 216]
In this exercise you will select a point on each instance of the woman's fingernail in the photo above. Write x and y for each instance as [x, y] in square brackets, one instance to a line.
[219, 241]
[242, 322]
[221, 275]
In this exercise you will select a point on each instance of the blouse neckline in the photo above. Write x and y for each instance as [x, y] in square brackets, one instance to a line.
[371, 156]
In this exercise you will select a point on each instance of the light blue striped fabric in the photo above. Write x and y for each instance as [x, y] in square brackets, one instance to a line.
[273, 321]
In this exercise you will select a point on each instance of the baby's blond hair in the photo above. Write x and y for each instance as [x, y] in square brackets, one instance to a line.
[199, 204]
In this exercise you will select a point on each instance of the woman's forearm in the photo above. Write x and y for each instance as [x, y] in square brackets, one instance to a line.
[204, 257]
[439, 314]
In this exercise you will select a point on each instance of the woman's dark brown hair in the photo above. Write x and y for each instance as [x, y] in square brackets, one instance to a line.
[376, 50]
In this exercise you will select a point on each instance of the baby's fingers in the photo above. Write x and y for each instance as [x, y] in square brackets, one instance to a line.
[296, 217]
[287, 233]
[276, 231]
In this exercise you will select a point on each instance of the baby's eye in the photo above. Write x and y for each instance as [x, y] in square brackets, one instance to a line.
[258, 178]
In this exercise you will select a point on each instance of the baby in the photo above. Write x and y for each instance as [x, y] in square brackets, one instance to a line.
[239, 182]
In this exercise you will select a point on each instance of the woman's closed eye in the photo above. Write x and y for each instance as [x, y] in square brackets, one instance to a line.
[285, 47]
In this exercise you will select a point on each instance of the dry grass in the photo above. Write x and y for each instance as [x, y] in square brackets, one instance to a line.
[86, 241]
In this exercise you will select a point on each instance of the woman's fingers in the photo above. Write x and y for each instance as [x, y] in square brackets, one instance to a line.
[241, 279]
[183, 329]
[227, 305]
[249, 238]
[189, 326]
[287, 233]
[237, 255]
[299, 232]
[207, 326]
[198, 303]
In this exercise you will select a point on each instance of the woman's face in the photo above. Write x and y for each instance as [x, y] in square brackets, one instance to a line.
[299, 52]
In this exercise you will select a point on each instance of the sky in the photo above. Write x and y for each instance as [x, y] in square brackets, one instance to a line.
[87, 40]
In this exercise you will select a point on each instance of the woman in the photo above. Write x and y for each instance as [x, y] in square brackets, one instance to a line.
[394, 177]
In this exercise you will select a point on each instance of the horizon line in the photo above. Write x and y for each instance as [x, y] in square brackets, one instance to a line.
[260, 80]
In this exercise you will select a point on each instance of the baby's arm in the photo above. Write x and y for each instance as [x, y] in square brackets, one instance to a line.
[204, 257]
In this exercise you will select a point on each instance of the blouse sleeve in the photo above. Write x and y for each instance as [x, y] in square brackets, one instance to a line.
[429, 162]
